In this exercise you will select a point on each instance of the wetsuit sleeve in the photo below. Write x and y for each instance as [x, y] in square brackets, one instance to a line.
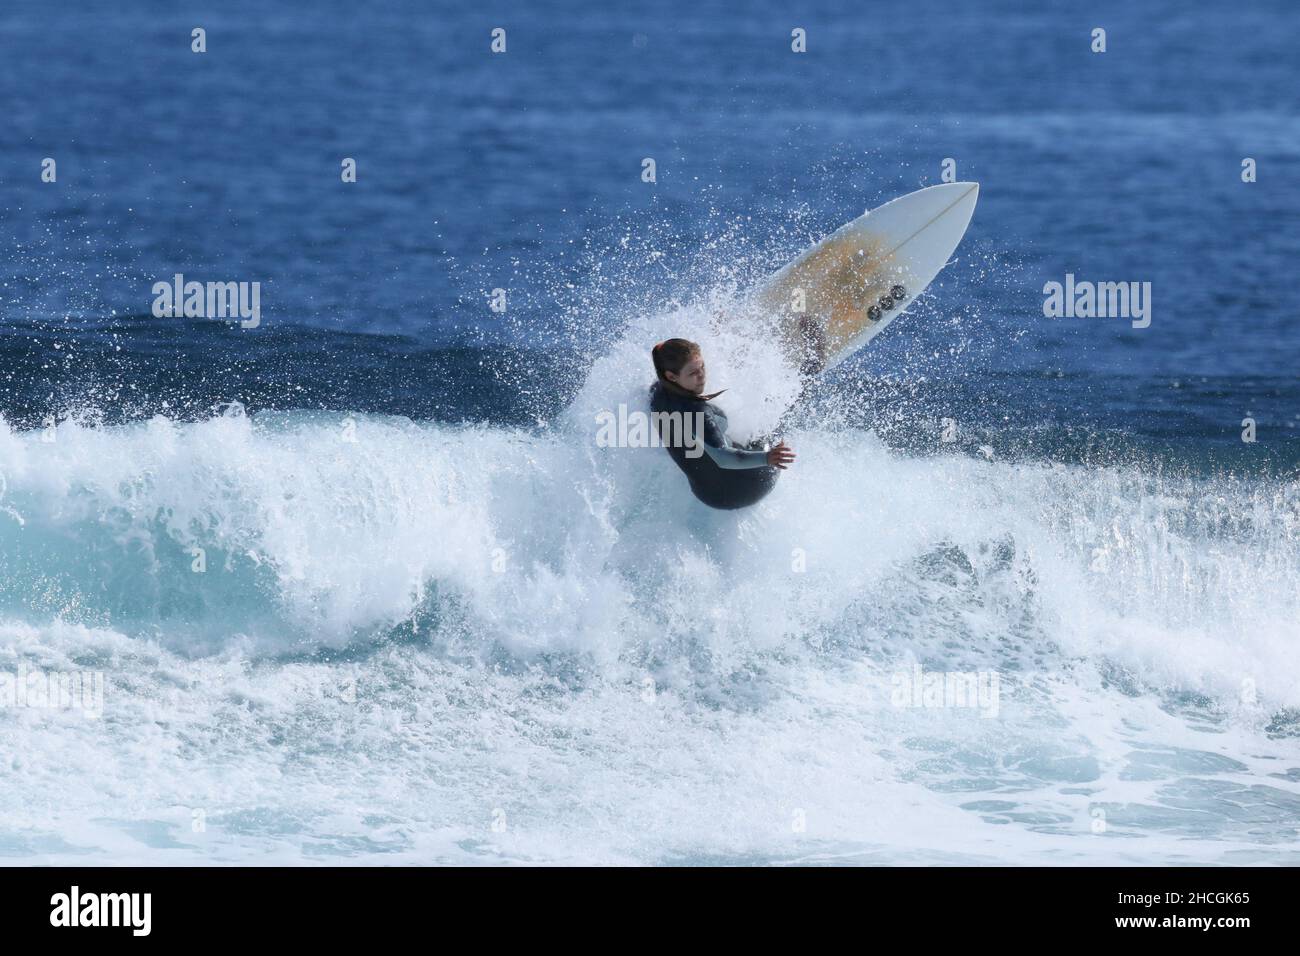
[728, 457]
[713, 439]
[723, 453]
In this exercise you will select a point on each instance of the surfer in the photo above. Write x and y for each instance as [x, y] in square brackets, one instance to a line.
[726, 475]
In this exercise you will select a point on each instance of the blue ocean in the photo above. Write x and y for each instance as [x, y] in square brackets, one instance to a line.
[355, 583]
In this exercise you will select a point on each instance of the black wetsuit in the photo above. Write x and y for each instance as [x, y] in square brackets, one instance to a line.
[721, 474]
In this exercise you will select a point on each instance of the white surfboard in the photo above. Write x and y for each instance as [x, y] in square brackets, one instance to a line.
[864, 275]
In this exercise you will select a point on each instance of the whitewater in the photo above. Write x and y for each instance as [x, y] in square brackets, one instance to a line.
[332, 637]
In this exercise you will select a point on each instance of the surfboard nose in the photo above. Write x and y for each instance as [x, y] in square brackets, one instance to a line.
[954, 198]
[972, 195]
[936, 200]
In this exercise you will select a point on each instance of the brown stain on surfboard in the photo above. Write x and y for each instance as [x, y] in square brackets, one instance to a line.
[840, 281]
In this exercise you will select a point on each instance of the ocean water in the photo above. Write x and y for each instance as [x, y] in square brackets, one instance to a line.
[360, 586]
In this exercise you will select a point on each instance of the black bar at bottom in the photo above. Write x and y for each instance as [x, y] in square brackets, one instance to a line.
[338, 906]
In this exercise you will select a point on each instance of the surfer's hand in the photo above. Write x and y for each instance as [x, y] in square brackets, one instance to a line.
[780, 456]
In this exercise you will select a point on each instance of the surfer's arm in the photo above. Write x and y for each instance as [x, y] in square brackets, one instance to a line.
[725, 456]
[722, 450]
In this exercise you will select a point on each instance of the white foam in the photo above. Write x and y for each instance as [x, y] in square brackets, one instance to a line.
[531, 584]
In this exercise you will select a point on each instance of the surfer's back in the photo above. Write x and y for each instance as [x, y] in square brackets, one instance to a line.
[704, 424]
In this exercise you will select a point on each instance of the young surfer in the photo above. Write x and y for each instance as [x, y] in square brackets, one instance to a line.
[725, 475]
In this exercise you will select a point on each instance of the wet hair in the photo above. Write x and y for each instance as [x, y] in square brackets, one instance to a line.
[671, 354]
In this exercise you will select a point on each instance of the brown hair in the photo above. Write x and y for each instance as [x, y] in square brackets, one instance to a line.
[671, 354]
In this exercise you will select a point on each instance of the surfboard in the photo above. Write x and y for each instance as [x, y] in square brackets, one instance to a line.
[841, 293]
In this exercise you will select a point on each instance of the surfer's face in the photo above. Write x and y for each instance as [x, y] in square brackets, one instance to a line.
[690, 376]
